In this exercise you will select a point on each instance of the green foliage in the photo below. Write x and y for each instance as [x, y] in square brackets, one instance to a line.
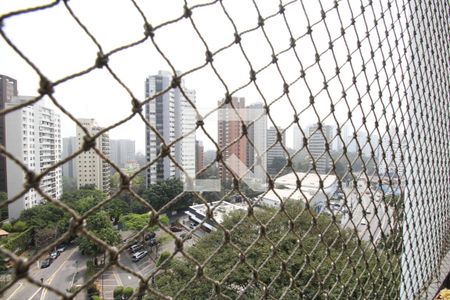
[118, 292]
[127, 292]
[44, 215]
[329, 252]
[7, 226]
[20, 226]
[139, 221]
[19, 242]
[100, 225]
[4, 209]
[162, 260]
[163, 192]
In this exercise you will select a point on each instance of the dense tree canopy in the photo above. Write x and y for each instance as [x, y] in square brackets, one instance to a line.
[163, 192]
[315, 251]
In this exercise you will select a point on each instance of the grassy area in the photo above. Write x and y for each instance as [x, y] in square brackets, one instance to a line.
[164, 238]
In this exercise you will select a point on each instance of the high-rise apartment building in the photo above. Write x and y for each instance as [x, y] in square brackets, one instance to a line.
[8, 89]
[91, 169]
[172, 116]
[297, 137]
[276, 152]
[199, 150]
[231, 140]
[317, 144]
[33, 135]
[257, 135]
[69, 146]
[122, 152]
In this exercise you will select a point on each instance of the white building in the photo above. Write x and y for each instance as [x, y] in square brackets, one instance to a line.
[317, 141]
[311, 191]
[257, 133]
[33, 135]
[172, 116]
[297, 137]
[91, 169]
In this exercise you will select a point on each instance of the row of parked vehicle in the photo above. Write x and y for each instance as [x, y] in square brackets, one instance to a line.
[53, 256]
[137, 249]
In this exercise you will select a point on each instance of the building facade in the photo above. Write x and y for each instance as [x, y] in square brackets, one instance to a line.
[199, 150]
[275, 150]
[69, 146]
[8, 89]
[91, 169]
[230, 139]
[317, 145]
[123, 152]
[257, 135]
[33, 135]
[172, 116]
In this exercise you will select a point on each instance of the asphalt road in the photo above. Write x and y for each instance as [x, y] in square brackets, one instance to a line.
[377, 220]
[59, 275]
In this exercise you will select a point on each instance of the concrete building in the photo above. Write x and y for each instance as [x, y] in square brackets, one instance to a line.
[276, 152]
[122, 152]
[68, 148]
[8, 89]
[33, 135]
[257, 135]
[199, 149]
[172, 116]
[317, 144]
[231, 140]
[297, 137]
[91, 169]
[310, 191]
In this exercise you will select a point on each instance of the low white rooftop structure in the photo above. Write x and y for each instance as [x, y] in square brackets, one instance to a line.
[310, 189]
[198, 213]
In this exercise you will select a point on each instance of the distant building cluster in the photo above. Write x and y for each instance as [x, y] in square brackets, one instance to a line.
[249, 149]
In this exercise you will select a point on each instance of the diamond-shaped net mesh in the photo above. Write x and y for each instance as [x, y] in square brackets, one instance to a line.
[355, 206]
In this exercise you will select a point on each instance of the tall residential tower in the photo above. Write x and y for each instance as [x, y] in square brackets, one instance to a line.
[33, 135]
[172, 116]
[91, 169]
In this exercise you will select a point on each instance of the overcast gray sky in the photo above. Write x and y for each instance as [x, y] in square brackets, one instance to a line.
[58, 46]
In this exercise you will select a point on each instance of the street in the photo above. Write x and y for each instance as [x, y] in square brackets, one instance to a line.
[59, 274]
[377, 220]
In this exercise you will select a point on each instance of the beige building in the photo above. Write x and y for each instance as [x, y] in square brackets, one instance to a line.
[91, 169]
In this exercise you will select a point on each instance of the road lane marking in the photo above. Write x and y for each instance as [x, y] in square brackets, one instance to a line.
[35, 293]
[50, 279]
[15, 291]
[118, 280]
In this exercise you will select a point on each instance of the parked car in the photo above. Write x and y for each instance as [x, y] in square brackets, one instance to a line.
[139, 255]
[132, 244]
[54, 255]
[136, 248]
[61, 248]
[185, 236]
[174, 228]
[363, 222]
[150, 236]
[46, 263]
[153, 242]
[192, 225]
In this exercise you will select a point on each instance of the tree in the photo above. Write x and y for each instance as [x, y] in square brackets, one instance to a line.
[163, 192]
[329, 252]
[100, 225]
[137, 222]
[4, 209]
